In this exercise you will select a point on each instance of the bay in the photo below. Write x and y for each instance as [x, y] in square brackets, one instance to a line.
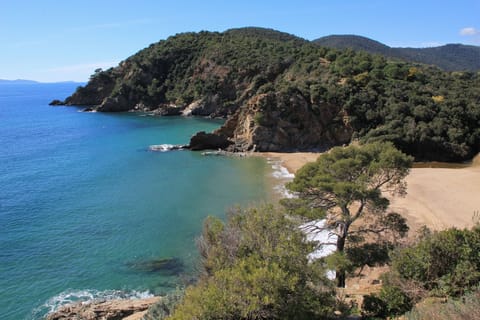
[83, 202]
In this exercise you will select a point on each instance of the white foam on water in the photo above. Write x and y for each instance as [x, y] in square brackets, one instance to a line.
[164, 147]
[281, 174]
[85, 296]
[326, 240]
[280, 171]
[281, 189]
[316, 231]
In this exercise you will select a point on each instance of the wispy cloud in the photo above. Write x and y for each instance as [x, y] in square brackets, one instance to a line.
[469, 31]
[472, 33]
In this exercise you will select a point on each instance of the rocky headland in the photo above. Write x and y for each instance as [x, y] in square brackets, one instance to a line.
[282, 93]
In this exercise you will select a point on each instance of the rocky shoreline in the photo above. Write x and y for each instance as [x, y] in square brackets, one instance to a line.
[121, 309]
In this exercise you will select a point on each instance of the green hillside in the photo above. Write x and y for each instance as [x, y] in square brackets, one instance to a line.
[450, 57]
[282, 93]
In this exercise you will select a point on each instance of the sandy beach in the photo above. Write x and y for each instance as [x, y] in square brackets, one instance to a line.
[436, 197]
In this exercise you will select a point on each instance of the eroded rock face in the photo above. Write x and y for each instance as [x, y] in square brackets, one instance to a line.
[102, 310]
[169, 110]
[276, 122]
[115, 104]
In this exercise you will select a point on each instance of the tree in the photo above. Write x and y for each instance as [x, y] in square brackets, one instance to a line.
[255, 266]
[347, 184]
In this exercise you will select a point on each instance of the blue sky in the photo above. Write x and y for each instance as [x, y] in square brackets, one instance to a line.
[62, 40]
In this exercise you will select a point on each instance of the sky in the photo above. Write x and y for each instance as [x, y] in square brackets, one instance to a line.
[66, 40]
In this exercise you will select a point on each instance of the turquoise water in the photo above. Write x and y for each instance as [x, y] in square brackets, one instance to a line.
[82, 200]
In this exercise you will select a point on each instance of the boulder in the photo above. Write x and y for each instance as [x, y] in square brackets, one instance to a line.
[205, 141]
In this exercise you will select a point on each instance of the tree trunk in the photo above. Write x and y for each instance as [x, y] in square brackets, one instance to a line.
[340, 272]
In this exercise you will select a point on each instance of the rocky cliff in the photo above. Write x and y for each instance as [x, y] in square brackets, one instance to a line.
[278, 92]
[279, 122]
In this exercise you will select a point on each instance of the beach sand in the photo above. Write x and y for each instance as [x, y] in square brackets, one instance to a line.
[292, 161]
[436, 197]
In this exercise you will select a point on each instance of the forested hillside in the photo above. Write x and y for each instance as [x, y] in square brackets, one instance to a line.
[279, 92]
[450, 57]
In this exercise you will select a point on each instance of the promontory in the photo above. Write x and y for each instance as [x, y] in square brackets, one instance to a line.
[279, 92]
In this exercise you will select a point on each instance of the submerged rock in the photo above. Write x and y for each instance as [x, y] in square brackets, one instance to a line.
[166, 266]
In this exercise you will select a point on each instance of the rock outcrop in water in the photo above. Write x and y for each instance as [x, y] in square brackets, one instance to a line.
[104, 310]
[278, 92]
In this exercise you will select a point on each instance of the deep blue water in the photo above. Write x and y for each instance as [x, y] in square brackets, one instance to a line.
[82, 199]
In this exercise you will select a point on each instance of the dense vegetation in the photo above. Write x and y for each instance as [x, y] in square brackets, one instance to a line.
[450, 57]
[255, 266]
[444, 265]
[293, 83]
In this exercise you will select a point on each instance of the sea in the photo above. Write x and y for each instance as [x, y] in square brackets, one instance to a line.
[88, 211]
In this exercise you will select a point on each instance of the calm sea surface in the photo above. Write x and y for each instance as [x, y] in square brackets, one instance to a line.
[85, 207]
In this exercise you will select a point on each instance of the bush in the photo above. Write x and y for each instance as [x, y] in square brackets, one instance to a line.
[390, 302]
[444, 264]
[164, 307]
[255, 266]
[373, 306]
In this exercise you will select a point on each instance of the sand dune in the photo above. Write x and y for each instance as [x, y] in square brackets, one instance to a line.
[436, 197]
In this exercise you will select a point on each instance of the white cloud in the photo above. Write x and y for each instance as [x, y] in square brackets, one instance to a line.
[469, 31]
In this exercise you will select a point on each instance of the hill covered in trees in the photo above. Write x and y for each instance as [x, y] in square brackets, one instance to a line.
[450, 57]
[279, 92]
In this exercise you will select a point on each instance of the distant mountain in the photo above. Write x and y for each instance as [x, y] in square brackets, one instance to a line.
[354, 42]
[18, 81]
[450, 57]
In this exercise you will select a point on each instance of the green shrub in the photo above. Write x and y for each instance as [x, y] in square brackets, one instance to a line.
[443, 264]
[255, 266]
